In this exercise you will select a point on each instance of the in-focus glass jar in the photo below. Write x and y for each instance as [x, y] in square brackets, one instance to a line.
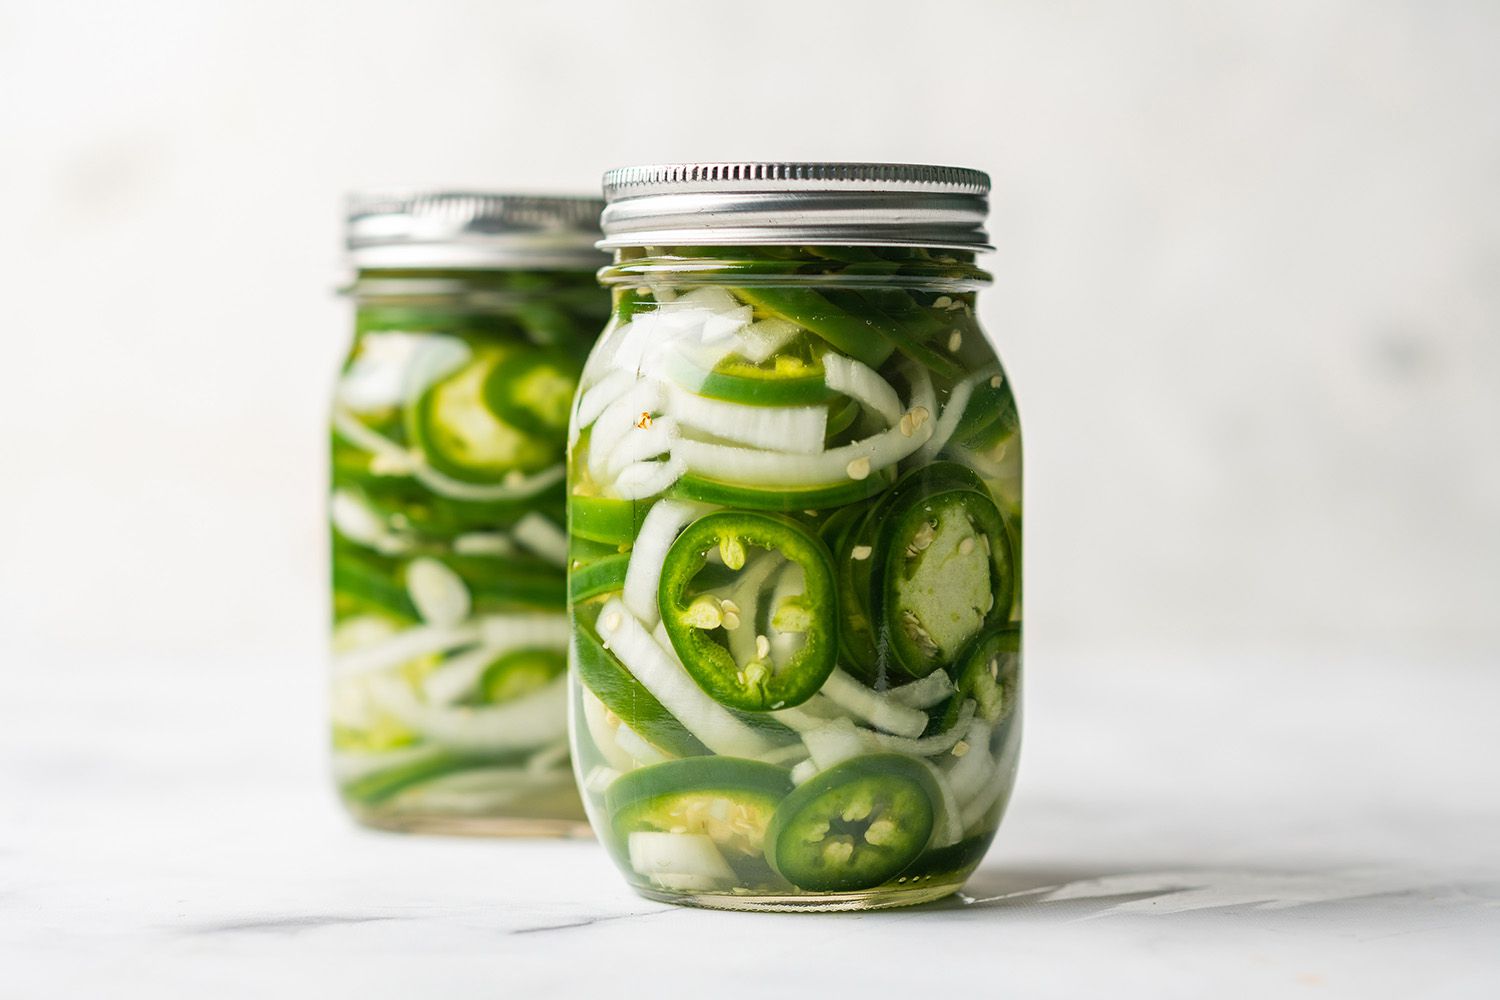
[473, 314]
[794, 500]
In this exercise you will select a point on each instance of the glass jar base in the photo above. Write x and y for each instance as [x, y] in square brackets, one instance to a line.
[883, 898]
[474, 826]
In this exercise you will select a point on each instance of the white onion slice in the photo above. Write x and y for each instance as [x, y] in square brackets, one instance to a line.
[537, 532]
[439, 594]
[660, 674]
[645, 479]
[658, 531]
[859, 382]
[798, 429]
[872, 707]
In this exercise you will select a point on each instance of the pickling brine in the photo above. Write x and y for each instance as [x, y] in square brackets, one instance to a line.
[448, 702]
[794, 545]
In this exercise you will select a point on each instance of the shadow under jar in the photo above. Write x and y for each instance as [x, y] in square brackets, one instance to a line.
[449, 701]
[794, 502]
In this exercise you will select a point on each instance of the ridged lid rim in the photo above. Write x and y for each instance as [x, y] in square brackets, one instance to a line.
[778, 175]
[796, 202]
[426, 228]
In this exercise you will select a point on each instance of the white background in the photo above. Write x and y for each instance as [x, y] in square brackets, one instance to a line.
[1248, 289]
[1248, 284]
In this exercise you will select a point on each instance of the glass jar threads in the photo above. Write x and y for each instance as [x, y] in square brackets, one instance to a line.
[472, 316]
[794, 494]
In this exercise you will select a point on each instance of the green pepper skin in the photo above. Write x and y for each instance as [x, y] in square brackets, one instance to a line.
[627, 697]
[519, 673]
[854, 826]
[602, 519]
[374, 789]
[729, 799]
[858, 336]
[710, 664]
[602, 576]
[640, 799]
[706, 490]
[925, 494]
[745, 383]
[948, 864]
[471, 389]
[857, 556]
[989, 671]
[534, 392]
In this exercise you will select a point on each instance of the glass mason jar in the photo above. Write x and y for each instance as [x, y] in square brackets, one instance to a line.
[794, 501]
[472, 316]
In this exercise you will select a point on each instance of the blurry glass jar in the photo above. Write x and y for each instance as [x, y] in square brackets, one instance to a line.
[795, 534]
[473, 313]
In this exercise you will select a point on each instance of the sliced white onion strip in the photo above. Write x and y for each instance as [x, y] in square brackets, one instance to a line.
[968, 774]
[602, 728]
[636, 746]
[619, 419]
[923, 693]
[532, 720]
[358, 522]
[783, 756]
[439, 356]
[376, 378]
[644, 479]
[798, 429]
[671, 858]
[927, 746]
[408, 645]
[599, 778]
[859, 382]
[811, 714]
[761, 467]
[484, 543]
[515, 486]
[642, 443]
[980, 805]
[658, 531]
[459, 675]
[872, 707]
[537, 532]
[953, 411]
[439, 594]
[761, 339]
[525, 631]
[390, 457]
[833, 743]
[949, 826]
[599, 395]
[660, 674]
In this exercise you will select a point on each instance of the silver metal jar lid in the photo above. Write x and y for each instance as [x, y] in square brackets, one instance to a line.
[756, 203]
[466, 229]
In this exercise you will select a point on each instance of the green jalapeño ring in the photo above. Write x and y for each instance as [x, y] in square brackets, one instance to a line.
[794, 539]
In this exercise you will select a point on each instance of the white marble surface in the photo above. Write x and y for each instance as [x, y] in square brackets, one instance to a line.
[1272, 827]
